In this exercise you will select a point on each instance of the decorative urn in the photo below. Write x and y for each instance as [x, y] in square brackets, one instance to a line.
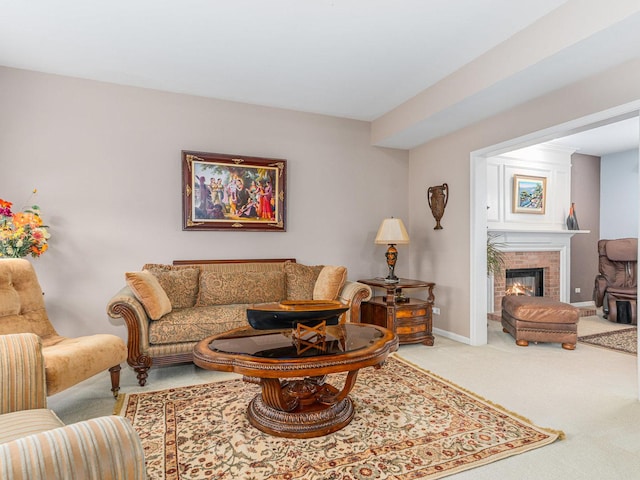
[438, 197]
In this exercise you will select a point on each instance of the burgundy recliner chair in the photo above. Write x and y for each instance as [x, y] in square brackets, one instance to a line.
[616, 287]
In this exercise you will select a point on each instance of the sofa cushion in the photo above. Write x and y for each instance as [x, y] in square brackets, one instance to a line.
[71, 360]
[194, 324]
[329, 282]
[233, 288]
[15, 425]
[300, 280]
[179, 282]
[147, 289]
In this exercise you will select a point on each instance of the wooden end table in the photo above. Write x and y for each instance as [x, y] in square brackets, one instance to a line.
[411, 320]
[295, 401]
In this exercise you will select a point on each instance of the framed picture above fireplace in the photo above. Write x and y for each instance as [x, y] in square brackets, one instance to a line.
[529, 194]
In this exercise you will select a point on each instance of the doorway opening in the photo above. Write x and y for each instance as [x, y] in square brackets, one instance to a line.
[478, 159]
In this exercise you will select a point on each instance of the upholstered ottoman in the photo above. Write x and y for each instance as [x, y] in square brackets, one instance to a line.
[540, 319]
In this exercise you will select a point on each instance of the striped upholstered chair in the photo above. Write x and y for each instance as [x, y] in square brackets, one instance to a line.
[35, 444]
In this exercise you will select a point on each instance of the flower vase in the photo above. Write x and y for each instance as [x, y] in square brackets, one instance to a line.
[572, 221]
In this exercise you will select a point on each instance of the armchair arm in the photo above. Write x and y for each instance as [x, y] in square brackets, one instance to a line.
[353, 294]
[97, 449]
[125, 305]
[22, 375]
[599, 289]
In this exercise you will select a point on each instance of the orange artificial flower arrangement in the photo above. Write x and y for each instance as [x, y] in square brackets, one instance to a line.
[22, 233]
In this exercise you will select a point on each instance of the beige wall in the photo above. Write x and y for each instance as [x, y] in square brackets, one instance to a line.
[444, 255]
[585, 193]
[106, 162]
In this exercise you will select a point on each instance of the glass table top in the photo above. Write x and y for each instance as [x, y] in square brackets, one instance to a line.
[339, 339]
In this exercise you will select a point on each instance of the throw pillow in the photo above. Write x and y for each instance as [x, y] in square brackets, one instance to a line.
[147, 289]
[218, 288]
[178, 281]
[300, 280]
[329, 283]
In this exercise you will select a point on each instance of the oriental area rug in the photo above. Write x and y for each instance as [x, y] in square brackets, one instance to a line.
[409, 424]
[625, 340]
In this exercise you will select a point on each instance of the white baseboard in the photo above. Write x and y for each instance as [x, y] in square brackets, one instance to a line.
[452, 336]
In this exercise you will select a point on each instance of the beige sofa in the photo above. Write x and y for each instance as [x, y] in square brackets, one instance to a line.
[169, 308]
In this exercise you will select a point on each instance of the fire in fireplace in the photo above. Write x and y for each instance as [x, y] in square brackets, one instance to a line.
[525, 281]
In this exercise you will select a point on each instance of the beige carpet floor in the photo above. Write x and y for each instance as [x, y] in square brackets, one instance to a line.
[591, 394]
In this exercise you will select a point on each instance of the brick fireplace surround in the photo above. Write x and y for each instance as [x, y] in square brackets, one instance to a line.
[548, 260]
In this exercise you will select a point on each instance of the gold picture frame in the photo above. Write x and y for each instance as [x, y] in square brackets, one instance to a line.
[233, 192]
[529, 194]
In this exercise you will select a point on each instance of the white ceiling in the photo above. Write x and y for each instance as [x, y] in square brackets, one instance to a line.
[612, 138]
[348, 58]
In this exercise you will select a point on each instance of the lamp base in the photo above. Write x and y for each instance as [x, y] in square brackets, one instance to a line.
[392, 256]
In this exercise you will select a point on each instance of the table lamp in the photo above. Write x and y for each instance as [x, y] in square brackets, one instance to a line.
[392, 233]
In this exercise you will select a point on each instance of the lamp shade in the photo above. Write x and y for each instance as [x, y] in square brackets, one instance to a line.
[392, 231]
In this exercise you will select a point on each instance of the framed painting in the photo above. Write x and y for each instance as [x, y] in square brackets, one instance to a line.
[529, 194]
[233, 192]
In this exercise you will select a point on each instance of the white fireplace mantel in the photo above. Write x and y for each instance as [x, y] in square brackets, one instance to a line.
[532, 240]
[536, 231]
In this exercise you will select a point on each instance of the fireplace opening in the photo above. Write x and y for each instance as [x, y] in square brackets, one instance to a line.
[525, 281]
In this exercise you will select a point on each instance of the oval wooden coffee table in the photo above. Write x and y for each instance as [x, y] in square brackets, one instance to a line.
[295, 400]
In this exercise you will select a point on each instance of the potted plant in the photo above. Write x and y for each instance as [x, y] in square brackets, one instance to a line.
[495, 256]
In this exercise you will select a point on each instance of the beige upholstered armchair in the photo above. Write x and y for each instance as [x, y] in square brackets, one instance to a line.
[68, 361]
[36, 445]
